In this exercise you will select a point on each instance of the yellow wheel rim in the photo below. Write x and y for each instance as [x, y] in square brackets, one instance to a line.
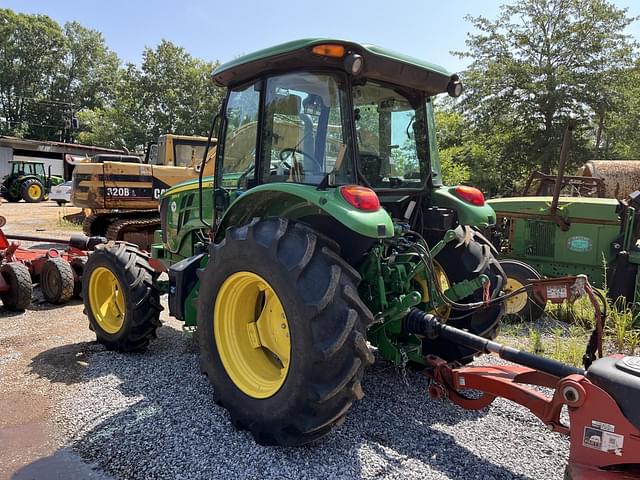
[443, 311]
[34, 191]
[252, 334]
[517, 303]
[106, 299]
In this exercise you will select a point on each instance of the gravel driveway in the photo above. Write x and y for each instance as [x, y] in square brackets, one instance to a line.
[152, 415]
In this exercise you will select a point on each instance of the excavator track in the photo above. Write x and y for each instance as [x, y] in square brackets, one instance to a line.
[138, 231]
[87, 224]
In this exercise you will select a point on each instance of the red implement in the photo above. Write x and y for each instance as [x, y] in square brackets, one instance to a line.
[58, 269]
[604, 442]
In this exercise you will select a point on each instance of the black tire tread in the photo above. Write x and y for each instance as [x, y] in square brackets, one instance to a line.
[24, 188]
[64, 270]
[344, 352]
[78, 264]
[142, 298]
[19, 279]
[465, 259]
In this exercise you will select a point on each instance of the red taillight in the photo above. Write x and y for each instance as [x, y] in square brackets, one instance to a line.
[362, 198]
[470, 194]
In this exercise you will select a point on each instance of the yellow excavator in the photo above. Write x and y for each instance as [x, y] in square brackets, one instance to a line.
[120, 193]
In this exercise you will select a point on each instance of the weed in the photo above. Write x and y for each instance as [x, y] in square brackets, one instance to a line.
[535, 341]
[620, 323]
[64, 223]
[633, 341]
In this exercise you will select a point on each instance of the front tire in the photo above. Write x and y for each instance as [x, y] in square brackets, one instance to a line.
[523, 305]
[288, 385]
[120, 296]
[17, 276]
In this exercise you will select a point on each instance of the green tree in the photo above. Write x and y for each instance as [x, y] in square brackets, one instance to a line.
[171, 92]
[48, 73]
[619, 126]
[539, 63]
[31, 48]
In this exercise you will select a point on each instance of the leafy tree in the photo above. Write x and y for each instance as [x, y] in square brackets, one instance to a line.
[620, 122]
[32, 48]
[48, 73]
[171, 92]
[539, 63]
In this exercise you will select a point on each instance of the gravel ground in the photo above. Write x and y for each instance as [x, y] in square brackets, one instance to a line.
[152, 415]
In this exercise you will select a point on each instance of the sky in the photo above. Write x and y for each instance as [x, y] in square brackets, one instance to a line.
[213, 30]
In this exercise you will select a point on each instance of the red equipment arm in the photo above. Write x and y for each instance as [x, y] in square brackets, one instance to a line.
[601, 436]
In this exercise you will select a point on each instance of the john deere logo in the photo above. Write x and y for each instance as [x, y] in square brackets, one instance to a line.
[579, 244]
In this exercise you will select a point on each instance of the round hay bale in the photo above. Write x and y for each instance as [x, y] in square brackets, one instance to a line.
[621, 177]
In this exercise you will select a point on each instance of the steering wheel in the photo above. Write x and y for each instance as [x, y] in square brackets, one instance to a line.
[287, 152]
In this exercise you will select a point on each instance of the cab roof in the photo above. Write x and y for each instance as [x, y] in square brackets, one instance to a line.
[379, 63]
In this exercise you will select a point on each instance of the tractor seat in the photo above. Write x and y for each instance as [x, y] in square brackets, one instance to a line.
[620, 378]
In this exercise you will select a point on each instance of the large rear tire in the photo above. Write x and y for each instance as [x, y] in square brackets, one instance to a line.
[56, 281]
[120, 296]
[17, 276]
[465, 259]
[282, 331]
[32, 191]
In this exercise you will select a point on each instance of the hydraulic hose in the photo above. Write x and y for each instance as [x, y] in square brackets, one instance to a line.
[417, 247]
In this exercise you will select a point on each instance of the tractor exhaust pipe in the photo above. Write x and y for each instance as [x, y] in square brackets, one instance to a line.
[421, 323]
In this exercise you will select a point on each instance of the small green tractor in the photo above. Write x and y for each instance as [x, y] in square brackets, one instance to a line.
[304, 247]
[28, 181]
[554, 236]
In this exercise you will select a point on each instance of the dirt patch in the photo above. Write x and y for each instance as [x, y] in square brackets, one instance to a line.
[45, 218]
[42, 350]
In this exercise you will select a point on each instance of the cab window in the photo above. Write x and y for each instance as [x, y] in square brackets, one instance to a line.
[305, 137]
[240, 138]
[391, 135]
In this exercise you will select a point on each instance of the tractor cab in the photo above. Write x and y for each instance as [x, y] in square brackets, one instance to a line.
[22, 168]
[328, 114]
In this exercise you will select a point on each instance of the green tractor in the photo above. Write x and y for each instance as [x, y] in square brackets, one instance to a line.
[28, 181]
[555, 235]
[302, 248]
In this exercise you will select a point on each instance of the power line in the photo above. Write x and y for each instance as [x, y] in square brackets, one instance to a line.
[56, 102]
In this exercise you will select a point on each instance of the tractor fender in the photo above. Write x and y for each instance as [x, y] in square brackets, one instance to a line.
[295, 201]
[473, 215]
[24, 178]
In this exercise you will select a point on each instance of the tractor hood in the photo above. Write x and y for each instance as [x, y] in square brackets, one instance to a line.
[601, 209]
[379, 64]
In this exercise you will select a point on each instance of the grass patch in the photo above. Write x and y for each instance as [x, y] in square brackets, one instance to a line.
[65, 224]
[563, 333]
